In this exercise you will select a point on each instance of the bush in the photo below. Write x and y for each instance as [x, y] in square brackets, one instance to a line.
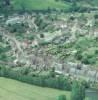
[62, 97]
[96, 16]
[18, 27]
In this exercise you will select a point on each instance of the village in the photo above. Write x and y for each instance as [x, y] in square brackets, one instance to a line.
[28, 49]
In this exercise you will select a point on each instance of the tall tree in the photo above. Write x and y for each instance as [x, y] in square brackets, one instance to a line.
[7, 2]
[5, 7]
[78, 91]
[4, 2]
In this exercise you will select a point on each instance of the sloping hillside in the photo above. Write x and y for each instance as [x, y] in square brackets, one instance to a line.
[39, 4]
[52, 4]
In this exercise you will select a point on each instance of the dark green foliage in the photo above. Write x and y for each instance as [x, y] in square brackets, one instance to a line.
[3, 51]
[78, 91]
[40, 22]
[18, 27]
[83, 54]
[88, 59]
[5, 7]
[85, 84]
[52, 82]
[96, 16]
[41, 35]
[62, 97]
[52, 72]
[96, 51]
[78, 55]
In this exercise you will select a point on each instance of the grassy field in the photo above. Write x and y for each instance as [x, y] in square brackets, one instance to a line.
[45, 4]
[14, 90]
[39, 4]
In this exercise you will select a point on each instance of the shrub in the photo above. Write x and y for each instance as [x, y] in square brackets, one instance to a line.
[61, 97]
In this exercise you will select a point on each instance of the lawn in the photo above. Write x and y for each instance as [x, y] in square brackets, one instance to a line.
[15, 90]
[39, 4]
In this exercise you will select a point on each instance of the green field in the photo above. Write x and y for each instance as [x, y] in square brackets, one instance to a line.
[39, 4]
[45, 4]
[14, 90]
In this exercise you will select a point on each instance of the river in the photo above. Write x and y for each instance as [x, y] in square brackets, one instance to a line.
[92, 94]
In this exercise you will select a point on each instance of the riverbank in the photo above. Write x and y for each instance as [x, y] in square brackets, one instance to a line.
[92, 94]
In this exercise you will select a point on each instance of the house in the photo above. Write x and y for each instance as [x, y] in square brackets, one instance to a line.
[14, 20]
[60, 24]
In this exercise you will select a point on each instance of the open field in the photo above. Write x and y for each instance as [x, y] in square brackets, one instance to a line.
[45, 4]
[39, 4]
[14, 90]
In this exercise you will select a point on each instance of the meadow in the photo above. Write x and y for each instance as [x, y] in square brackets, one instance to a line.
[15, 90]
[39, 4]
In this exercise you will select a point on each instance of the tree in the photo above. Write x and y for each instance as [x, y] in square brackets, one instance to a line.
[52, 72]
[4, 3]
[78, 91]
[7, 2]
[5, 7]
[61, 97]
